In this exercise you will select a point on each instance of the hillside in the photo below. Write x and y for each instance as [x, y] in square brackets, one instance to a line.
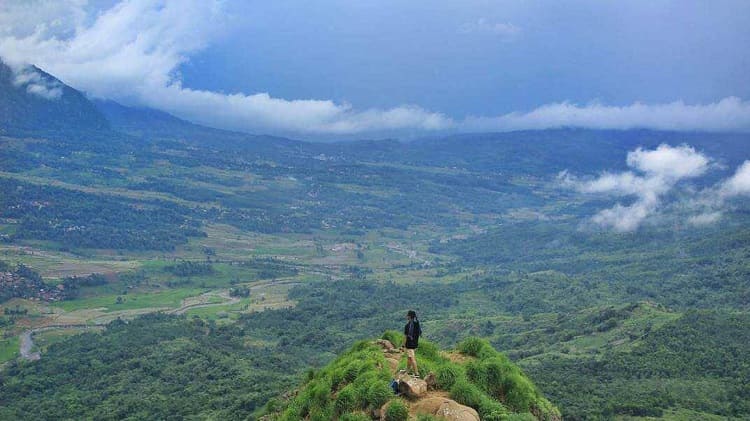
[474, 382]
[33, 101]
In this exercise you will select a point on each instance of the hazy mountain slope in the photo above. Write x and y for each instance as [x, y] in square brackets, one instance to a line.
[33, 101]
[150, 125]
[542, 152]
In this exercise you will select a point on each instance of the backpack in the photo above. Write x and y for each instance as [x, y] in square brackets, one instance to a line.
[394, 386]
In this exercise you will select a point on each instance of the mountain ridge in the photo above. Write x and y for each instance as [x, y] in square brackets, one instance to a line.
[463, 385]
[32, 101]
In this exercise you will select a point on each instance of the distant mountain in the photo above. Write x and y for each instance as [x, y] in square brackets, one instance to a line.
[35, 102]
[553, 150]
[139, 121]
[149, 123]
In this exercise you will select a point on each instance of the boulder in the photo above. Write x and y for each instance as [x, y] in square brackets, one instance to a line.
[385, 344]
[431, 381]
[411, 387]
[454, 411]
[392, 363]
[446, 409]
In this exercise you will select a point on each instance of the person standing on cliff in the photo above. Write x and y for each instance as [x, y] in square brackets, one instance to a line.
[412, 331]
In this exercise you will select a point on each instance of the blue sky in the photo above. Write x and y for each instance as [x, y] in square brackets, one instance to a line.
[361, 68]
[446, 56]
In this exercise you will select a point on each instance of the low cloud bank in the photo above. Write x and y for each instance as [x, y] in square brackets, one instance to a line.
[35, 83]
[728, 114]
[132, 53]
[656, 173]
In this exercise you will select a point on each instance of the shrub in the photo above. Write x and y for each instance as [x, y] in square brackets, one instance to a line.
[520, 417]
[293, 412]
[491, 410]
[520, 393]
[353, 369]
[476, 347]
[354, 417]
[396, 338]
[495, 370]
[322, 414]
[446, 376]
[428, 350]
[378, 394]
[320, 393]
[309, 375]
[466, 393]
[396, 411]
[345, 401]
[361, 346]
[476, 373]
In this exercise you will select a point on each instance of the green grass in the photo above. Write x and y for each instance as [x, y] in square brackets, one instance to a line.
[169, 298]
[358, 381]
[212, 312]
[9, 349]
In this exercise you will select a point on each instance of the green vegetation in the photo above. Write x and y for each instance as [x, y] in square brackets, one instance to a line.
[358, 379]
[698, 362]
[170, 298]
[357, 383]
[187, 268]
[153, 367]
[77, 219]
[336, 242]
[8, 349]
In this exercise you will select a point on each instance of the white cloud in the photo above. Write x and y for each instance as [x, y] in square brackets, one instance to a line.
[704, 219]
[132, 53]
[661, 169]
[657, 173]
[728, 114]
[738, 184]
[666, 161]
[49, 18]
[36, 83]
[625, 218]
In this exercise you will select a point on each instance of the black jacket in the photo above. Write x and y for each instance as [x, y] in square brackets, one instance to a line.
[412, 341]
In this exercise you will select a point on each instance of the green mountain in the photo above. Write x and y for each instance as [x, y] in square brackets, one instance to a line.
[474, 382]
[35, 102]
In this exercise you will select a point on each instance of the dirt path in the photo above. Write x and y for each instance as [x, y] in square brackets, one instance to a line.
[431, 401]
[27, 343]
[187, 305]
[27, 339]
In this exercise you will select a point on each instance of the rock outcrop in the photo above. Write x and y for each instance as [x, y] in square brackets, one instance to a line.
[411, 387]
[444, 408]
